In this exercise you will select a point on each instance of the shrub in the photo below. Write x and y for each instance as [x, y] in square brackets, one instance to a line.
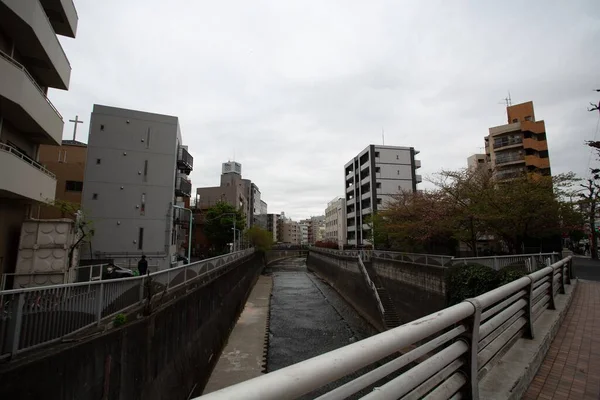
[120, 319]
[466, 281]
[510, 274]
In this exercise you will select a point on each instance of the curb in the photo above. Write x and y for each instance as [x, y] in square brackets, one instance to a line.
[265, 356]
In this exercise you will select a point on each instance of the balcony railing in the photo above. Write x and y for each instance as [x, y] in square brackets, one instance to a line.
[184, 160]
[503, 142]
[504, 159]
[28, 160]
[28, 75]
[509, 173]
[183, 187]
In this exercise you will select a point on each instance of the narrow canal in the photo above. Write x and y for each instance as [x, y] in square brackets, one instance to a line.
[308, 318]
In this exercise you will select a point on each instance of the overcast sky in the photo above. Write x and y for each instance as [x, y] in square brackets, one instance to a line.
[294, 89]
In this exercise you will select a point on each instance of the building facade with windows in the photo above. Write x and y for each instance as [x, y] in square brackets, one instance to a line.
[477, 161]
[32, 61]
[67, 162]
[335, 222]
[371, 179]
[289, 232]
[272, 226]
[136, 173]
[520, 146]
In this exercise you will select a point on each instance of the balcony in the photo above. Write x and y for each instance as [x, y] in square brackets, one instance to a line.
[24, 177]
[418, 178]
[506, 142]
[351, 228]
[417, 164]
[36, 41]
[510, 158]
[62, 16]
[25, 104]
[183, 187]
[351, 214]
[185, 162]
[366, 195]
[498, 130]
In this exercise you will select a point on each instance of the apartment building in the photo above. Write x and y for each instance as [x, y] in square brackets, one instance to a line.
[520, 146]
[335, 222]
[371, 179]
[32, 61]
[67, 162]
[135, 178]
[477, 161]
[317, 229]
[289, 232]
[272, 226]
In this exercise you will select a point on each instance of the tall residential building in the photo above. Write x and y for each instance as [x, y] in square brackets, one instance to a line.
[371, 179]
[317, 225]
[67, 162]
[136, 173]
[519, 146]
[32, 61]
[335, 222]
[304, 229]
[272, 226]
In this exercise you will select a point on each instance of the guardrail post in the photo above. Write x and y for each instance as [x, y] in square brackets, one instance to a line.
[471, 369]
[496, 264]
[552, 304]
[529, 331]
[16, 323]
[563, 270]
[570, 271]
[100, 301]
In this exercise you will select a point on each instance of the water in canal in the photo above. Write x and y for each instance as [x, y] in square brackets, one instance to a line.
[308, 317]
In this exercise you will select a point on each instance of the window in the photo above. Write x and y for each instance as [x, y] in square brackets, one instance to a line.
[376, 154]
[377, 170]
[148, 138]
[73, 186]
[378, 185]
[398, 172]
[528, 118]
[378, 201]
[98, 161]
[141, 239]
[397, 157]
[101, 127]
[143, 205]
[145, 170]
[95, 196]
[515, 120]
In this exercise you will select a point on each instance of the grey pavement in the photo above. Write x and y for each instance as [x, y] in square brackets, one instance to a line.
[586, 268]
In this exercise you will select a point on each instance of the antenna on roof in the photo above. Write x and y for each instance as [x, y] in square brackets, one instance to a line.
[508, 100]
[383, 135]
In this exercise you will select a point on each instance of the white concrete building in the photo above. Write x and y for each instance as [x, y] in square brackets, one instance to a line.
[371, 179]
[335, 222]
[477, 161]
[304, 227]
[137, 170]
[32, 61]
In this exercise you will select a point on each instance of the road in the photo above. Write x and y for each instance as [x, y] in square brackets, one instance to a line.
[586, 268]
[308, 317]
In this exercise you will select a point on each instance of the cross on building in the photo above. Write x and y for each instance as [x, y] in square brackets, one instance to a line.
[76, 121]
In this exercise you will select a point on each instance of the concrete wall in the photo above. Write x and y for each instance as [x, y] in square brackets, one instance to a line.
[163, 356]
[416, 290]
[343, 275]
[276, 255]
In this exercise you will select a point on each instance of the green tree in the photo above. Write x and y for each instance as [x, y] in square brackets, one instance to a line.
[219, 225]
[260, 239]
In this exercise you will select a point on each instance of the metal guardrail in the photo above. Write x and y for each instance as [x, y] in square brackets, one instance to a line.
[22, 68]
[531, 261]
[452, 348]
[410, 258]
[27, 159]
[33, 317]
[371, 285]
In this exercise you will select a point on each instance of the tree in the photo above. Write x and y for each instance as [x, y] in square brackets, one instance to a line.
[219, 225]
[84, 228]
[260, 239]
[589, 197]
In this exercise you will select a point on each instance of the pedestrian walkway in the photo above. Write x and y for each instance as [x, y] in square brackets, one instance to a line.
[243, 356]
[571, 369]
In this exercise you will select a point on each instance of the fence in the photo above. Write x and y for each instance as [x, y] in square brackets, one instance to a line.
[33, 317]
[452, 346]
[531, 261]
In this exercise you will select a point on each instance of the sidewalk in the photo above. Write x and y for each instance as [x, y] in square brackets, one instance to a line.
[571, 369]
[243, 356]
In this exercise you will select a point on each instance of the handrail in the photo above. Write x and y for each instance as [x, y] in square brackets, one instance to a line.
[84, 304]
[9, 149]
[22, 68]
[462, 341]
[370, 283]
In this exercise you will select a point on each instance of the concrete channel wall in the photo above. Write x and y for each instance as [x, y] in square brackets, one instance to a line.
[167, 355]
[415, 290]
[343, 274]
[277, 255]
